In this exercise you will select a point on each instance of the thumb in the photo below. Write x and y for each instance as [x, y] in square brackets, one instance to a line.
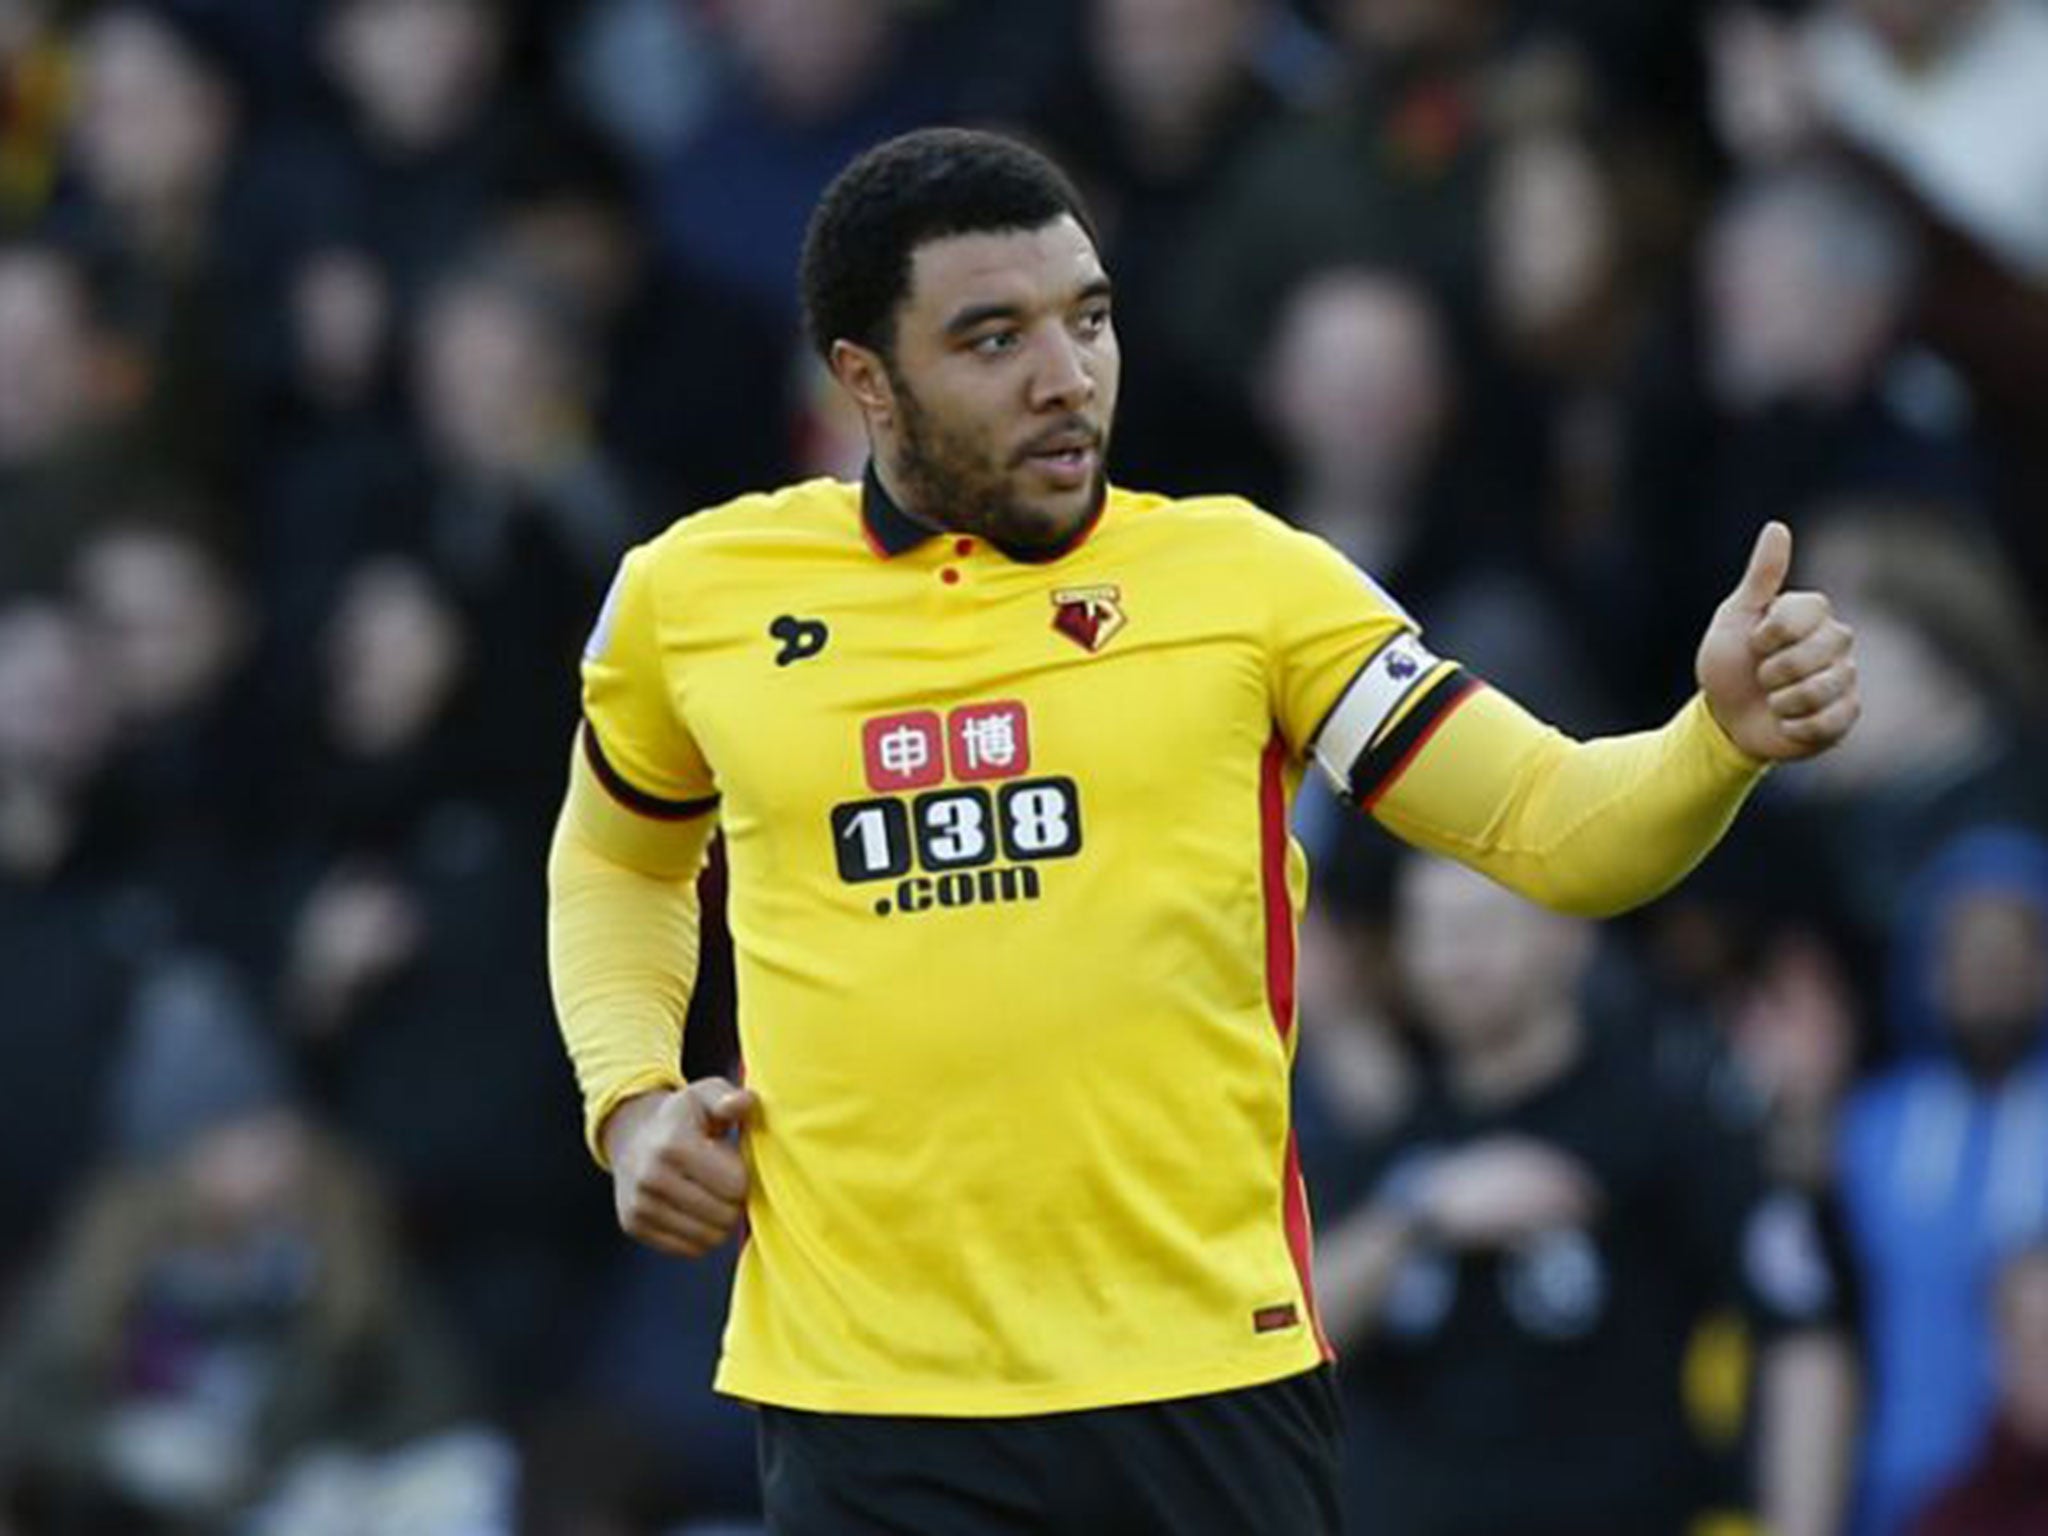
[723, 1104]
[1769, 561]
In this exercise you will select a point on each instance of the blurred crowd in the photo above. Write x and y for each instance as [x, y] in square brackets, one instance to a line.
[345, 345]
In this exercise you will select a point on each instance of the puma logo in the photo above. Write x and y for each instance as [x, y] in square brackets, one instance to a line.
[801, 638]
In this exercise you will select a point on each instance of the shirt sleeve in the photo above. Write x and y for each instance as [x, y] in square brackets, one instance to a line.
[1590, 827]
[636, 822]
[1344, 656]
[1452, 766]
[622, 947]
[634, 740]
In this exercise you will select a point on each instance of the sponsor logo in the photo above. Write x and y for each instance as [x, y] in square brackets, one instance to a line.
[801, 638]
[906, 751]
[989, 741]
[940, 830]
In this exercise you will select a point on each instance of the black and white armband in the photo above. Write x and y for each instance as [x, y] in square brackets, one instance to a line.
[1392, 705]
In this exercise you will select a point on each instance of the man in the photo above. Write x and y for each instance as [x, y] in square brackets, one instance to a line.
[1942, 1160]
[1515, 1273]
[1003, 758]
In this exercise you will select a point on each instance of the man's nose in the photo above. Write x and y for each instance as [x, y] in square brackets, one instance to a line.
[1062, 379]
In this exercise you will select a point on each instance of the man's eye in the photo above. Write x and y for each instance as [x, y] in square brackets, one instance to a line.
[1095, 321]
[993, 344]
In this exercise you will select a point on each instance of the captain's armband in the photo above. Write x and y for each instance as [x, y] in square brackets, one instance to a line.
[1390, 708]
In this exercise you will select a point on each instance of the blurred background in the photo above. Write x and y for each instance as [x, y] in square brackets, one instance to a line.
[345, 345]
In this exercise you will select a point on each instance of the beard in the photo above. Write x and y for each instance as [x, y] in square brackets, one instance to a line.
[952, 482]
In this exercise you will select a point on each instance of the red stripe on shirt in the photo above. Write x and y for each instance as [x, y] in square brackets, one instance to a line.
[1280, 969]
[1273, 873]
[1301, 1242]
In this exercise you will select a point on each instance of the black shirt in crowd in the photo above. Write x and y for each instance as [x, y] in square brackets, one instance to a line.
[1537, 1391]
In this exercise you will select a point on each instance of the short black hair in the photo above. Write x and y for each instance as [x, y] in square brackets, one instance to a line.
[908, 190]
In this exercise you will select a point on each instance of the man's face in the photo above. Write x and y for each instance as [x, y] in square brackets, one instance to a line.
[1480, 962]
[45, 355]
[1994, 977]
[1003, 384]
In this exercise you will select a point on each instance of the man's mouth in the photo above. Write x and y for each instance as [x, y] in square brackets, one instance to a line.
[1065, 456]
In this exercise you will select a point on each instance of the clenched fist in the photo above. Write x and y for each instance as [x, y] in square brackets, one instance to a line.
[678, 1179]
[1776, 666]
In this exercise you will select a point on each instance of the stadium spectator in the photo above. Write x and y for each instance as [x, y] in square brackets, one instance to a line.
[431, 137]
[226, 1300]
[1571, 301]
[1390, 175]
[2004, 1492]
[503, 376]
[810, 83]
[643, 71]
[193, 774]
[156, 199]
[1368, 402]
[398, 970]
[1363, 395]
[1944, 91]
[1515, 1273]
[687, 435]
[59, 935]
[340, 469]
[153, 133]
[1555, 255]
[524, 511]
[1795, 1025]
[1943, 1160]
[1954, 738]
[1178, 85]
[1355, 1072]
[1164, 96]
[1798, 391]
[61, 453]
[1927, 102]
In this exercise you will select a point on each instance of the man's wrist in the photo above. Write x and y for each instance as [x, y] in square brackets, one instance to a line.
[1720, 742]
[625, 1117]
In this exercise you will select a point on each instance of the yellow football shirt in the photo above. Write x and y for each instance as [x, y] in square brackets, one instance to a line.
[1013, 909]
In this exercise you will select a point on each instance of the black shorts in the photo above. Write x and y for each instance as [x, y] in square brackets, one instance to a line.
[1259, 1461]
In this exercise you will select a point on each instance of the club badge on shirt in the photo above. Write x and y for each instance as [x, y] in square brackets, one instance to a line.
[1088, 616]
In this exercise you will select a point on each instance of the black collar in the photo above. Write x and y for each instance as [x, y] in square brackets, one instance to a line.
[890, 529]
[893, 531]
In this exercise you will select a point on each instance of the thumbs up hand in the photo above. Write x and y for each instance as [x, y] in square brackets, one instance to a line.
[1776, 666]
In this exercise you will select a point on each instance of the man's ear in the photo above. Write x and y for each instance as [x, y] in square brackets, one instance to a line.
[861, 372]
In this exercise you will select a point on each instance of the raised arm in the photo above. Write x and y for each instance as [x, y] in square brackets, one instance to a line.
[1599, 826]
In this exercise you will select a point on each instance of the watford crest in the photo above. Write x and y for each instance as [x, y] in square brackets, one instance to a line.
[1088, 616]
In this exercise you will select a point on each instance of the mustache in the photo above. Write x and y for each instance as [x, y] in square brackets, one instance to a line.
[1073, 432]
